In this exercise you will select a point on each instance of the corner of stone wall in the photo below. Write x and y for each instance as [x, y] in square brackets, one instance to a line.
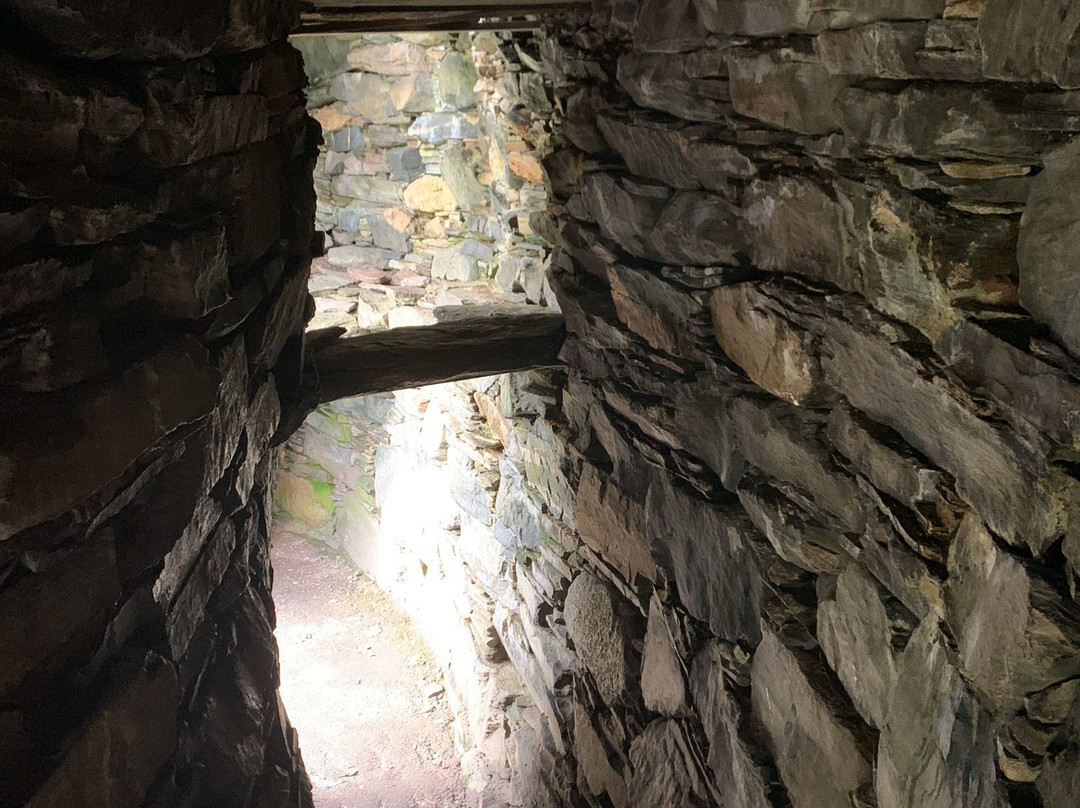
[156, 226]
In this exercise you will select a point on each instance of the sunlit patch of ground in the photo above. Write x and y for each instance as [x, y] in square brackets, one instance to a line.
[359, 687]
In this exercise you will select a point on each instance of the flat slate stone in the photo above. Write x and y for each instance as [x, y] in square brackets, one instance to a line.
[935, 749]
[794, 94]
[389, 59]
[376, 190]
[855, 632]
[665, 771]
[462, 262]
[818, 759]
[1047, 249]
[662, 685]
[368, 95]
[455, 76]
[117, 755]
[1031, 40]
[43, 611]
[405, 163]
[733, 760]
[942, 123]
[324, 56]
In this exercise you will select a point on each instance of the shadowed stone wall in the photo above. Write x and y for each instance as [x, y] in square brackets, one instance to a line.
[155, 220]
[799, 528]
[820, 426]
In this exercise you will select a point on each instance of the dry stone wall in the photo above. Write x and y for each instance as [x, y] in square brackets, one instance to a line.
[820, 421]
[428, 175]
[155, 225]
[419, 490]
[798, 527]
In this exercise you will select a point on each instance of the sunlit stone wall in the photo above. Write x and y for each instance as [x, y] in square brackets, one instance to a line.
[432, 198]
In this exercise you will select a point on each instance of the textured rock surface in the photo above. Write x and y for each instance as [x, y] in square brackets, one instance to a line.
[1049, 284]
[818, 759]
[796, 526]
[416, 179]
[815, 262]
[157, 224]
[599, 637]
[922, 761]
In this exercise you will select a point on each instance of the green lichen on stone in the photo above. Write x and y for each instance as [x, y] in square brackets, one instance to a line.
[324, 494]
[304, 501]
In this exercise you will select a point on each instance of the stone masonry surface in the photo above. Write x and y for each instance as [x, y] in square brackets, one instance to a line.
[798, 523]
[155, 224]
[405, 484]
[819, 430]
[796, 526]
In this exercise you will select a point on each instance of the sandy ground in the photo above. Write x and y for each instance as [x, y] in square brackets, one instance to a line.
[360, 688]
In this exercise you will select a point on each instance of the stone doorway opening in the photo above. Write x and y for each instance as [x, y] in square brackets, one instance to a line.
[394, 511]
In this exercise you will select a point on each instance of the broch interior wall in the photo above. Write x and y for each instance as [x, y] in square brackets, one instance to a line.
[157, 222]
[795, 525]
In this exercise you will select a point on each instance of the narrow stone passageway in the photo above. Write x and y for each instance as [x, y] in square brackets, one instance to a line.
[360, 687]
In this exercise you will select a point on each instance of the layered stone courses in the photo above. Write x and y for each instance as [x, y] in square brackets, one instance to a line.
[818, 401]
[797, 523]
[416, 487]
[428, 180]
[157, 220]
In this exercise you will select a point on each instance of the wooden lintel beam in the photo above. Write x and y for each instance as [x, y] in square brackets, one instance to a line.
[460, 17]
[358, 28]
[431, 354]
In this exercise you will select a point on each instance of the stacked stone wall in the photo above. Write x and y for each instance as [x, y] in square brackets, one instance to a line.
[799, 526]
[429, 174]
[820, 421]
[155, 225]
[424, 491]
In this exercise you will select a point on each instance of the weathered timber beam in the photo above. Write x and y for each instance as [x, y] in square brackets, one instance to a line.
[460, 17]
[431, 354]
[492, 6]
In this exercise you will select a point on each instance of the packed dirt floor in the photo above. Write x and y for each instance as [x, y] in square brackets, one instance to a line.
[360, 688]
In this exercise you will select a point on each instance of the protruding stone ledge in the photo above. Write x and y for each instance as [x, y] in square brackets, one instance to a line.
[463, 348]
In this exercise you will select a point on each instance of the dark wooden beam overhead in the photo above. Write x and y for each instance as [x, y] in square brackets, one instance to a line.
[445, 352]
[359, 16]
